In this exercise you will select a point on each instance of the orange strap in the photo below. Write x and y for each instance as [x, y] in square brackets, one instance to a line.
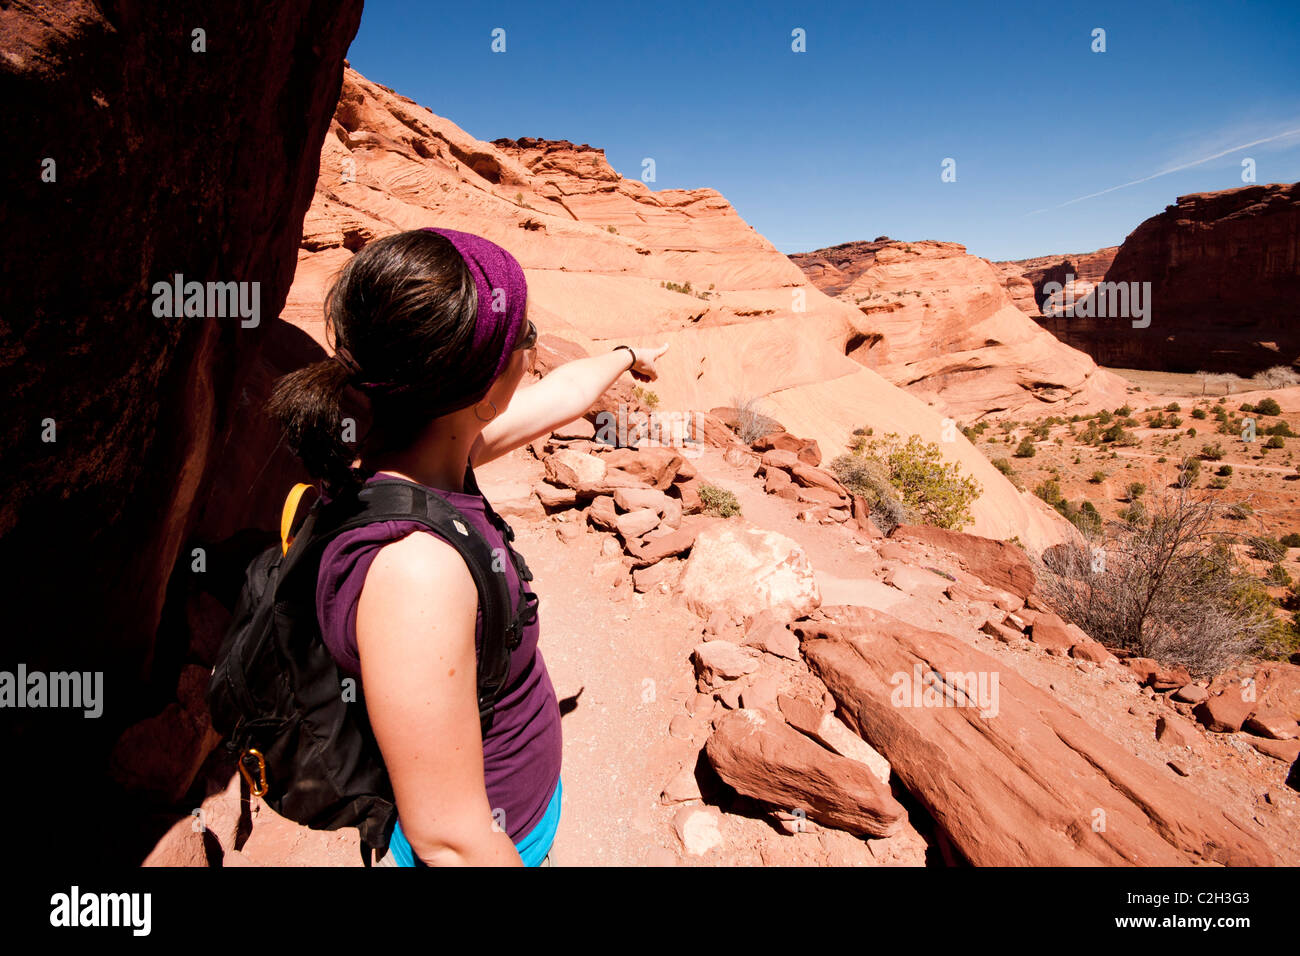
[287, 515]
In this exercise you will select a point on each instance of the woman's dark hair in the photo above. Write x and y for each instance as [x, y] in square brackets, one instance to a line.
[404, 309]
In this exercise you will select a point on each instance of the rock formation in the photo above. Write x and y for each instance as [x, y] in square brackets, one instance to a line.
[143, 151]
[1025, 278]
[1224, 274]
[941, 324]
[610, 260]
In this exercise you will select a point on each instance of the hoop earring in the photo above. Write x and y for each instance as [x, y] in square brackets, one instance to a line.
[490, 417]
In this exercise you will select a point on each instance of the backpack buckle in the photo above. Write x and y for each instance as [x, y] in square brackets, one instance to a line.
[256, 789]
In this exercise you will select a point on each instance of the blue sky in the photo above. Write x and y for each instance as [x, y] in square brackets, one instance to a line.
[846, 140]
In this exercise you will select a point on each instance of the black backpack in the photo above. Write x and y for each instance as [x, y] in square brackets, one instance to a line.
[277, 695]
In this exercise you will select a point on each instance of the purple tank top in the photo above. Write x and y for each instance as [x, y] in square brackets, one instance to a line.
[521, 753]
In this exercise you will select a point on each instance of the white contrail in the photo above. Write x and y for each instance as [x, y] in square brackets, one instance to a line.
[1172, 169]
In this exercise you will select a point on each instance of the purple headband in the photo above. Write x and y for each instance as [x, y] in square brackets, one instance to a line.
[502, 296]
[502, 301]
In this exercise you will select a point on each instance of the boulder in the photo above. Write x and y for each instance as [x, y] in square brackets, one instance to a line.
[697, 827]
[827, 729]
[718, 661]
[1054, 635]
[602, 513]
[636, 523]
[673, 542]
[689, 494]
[998, 564]
[784, 460]
[810, 477]
[744, 570]
[633, 499]
[778, 482]
[1174, 731]
[655, 466]
[805, 449]
[768, 760]
[552, 496]
[1273, 725]
[769, 635]
[1012, 776]
[576, 470]
[1224, 713]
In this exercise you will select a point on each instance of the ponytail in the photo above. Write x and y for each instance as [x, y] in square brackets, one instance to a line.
[308, 404]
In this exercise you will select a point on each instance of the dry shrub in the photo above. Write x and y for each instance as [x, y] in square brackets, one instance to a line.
[1167, 586]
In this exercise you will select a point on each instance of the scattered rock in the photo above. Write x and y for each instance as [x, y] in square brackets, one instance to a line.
[717, 661]
[745, 570]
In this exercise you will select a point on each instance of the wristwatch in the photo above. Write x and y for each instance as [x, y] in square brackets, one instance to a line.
[630, 352]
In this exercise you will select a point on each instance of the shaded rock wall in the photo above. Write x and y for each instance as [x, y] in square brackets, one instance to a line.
[167, 159]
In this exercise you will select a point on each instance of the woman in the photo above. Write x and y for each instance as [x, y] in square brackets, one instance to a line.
[430, 325]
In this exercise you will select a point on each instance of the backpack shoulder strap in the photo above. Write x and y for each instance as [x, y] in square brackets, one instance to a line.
[392, 499]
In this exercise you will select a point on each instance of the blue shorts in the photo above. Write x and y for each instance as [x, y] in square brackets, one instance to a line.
[533, 846]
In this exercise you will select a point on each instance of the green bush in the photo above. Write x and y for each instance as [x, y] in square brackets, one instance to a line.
[1268, 406]
[1097, 477]
[1198, 413]
[1291, 540]
[1026, 448]
[1218, 483]
[1278, 577]
[1224, 470]
[1277, 441]
[933, 489]
[718, 501]
[1212, 452]
[1135, 490]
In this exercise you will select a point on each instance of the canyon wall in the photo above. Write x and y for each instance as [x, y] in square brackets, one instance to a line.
[1224, 274]
[147, 141]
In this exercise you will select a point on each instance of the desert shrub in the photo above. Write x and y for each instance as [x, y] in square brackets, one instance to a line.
[1169, 588]
[1224, 470]
[1246, 407]
[647, 396]
[1124, 411]
[1049, 491]
[1191, 433]
[1104, 417]
[867, 476]
[1026, 448]
[1278, 577]
[1265, 548]
[933, 489]
[1291, 540]
[1280, 428]
[751, 424]
[1198, 413]
[1267, 406]
[1189, 471]
[1173, 407]
[1097, 477]
[1004, 466]
[1212, 452]
[718, 501]
[1134, 514]
[1217, 483]
[1135, 490]
[1277, 441]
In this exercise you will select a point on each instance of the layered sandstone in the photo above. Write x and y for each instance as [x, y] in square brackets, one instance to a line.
[610, 260]
[1025, 279]
[941, 323]
[1224, 274]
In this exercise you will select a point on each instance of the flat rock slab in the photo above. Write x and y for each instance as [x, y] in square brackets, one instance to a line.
[1024, 782]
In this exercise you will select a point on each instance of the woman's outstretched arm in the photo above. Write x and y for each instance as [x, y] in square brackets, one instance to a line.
[415, 638]
[559, 398]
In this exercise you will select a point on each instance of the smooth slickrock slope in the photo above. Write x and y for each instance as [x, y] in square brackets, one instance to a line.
[597, 248]
[940, 323]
